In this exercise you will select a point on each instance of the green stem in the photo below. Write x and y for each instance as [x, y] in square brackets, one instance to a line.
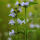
[25, 25]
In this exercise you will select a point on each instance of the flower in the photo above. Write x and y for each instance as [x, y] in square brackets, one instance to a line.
[30, 13]
[9, 38]
[31, 25]
[22, 4]
[19, 21]
[10, 33]
[11, 22]
[17, 3]
[20, 9]
[27, 20]
[8, 5]
[31, 0]
[13, 32]
[37, 26]
[27, 3]
[12, 10]
[13, 14]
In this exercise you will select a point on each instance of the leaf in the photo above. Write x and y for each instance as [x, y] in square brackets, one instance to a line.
[32, 3]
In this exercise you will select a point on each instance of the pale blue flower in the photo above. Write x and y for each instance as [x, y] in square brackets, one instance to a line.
[20, 9]
[30, 13]
[31, 25]
[31, 0]
[12, 10]
[19, 21]
[8, 5]
[17, 3]
[12, 22]
[9, 39]
[22, 4]
[27, 3]
[13, 14]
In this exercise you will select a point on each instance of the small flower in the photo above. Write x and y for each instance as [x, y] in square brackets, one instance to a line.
[9, 39]
[13, 14]
[30, 13]
[19, 21]
[10, 33]
[27, 20]
[31, 25]
[37, 26]
[27, 3]
[31, 0]
[22, 4]
[20, 9]
[12, 10]
[17, 3]
[11, 22]
[13, 32]
[8, 5]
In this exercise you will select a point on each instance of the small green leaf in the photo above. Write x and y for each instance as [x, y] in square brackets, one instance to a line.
[32, 3]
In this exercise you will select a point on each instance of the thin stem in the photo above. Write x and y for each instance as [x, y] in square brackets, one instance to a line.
[25, 25]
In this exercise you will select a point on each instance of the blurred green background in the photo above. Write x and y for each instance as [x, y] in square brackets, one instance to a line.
[4, 19]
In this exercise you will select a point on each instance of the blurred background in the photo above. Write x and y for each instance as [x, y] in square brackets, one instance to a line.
[4, 20]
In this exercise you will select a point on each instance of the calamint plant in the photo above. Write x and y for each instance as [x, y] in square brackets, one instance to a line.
[14, 12]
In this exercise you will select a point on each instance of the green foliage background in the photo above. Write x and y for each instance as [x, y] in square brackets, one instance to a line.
[4, 18]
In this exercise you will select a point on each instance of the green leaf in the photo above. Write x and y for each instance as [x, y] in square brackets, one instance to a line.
[32, 3]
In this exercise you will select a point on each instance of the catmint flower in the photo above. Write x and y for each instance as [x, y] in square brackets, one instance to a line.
[8, 5]
[9, 39]
[31, 0]
[17, 3]
[19, 21]
[11, 22]
[27, 3]
[13, 32]
[30, 13]
[22, 4]
[31, 25]
[12, 10]
[13, 14]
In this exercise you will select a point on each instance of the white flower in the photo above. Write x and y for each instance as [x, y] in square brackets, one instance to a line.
[31, 0]
[27, 3]
[20, 9]
[30, 13]
[9, 39]
[19, 21]
[22, 4]
[11, 22]
[13, 14]
[17, 3]
[31, 25]
[12, 10]
[24, 21]
[8, 5]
